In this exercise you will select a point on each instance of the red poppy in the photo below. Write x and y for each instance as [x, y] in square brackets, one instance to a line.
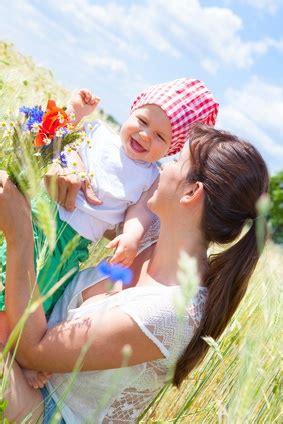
[53, 119]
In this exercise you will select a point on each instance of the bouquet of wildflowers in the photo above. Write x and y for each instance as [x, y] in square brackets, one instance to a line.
[35, 139]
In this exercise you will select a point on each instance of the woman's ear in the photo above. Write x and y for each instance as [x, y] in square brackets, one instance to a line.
[192, 193]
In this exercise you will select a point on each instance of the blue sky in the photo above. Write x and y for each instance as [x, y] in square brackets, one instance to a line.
[116, 48]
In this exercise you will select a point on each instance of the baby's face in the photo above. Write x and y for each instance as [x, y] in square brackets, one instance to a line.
[146, 135]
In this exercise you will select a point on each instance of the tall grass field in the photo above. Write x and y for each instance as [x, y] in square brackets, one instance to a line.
[240, 381]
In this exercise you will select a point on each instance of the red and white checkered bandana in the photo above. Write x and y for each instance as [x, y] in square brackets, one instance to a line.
[185, 101]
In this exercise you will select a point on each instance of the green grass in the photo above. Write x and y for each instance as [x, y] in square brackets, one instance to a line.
[240, 380]
[24, 83]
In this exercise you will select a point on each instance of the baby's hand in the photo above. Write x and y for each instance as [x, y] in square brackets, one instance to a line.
[82, 104]
[36, 380]
[126, 249]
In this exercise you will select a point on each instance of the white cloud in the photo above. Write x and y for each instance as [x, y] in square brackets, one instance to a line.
[236, 120]
[183, 28]
[270, 6]
[214, 33]
[209, 65]
[255, 112]
[261, 102]
[125, 26]
[118, 49]
[106, 63]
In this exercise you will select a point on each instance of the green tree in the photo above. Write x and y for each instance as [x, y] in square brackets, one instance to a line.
[276, 211]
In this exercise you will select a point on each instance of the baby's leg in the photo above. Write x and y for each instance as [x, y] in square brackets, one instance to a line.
[22, 399]
[4, 329]
[35, 379]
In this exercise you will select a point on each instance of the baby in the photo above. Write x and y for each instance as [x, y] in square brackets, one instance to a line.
[124, 167]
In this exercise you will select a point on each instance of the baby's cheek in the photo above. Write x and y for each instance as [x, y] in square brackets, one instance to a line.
[163, 150]
[134, 126]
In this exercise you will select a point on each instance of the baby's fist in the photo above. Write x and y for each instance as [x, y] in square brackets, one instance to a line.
[82, 103]
[88, 97]
[126, 250]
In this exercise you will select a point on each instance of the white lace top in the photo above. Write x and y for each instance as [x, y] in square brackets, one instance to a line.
[119, 395]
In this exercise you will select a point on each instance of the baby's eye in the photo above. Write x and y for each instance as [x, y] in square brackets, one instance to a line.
[161, 137]
[142, 121]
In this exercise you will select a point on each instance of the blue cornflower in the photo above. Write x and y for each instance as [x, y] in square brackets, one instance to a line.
[63, 160]
[33, 115]
[62, 132]
[25, 110]
[116, 272]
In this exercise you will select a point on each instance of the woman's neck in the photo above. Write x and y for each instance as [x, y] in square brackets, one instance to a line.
[164, 263]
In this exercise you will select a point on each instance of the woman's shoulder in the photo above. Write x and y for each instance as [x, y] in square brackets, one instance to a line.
[162, 304]
[160, 315]
[165, 299]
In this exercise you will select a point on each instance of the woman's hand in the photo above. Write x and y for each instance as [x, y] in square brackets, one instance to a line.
[15, 213]
[63, 185]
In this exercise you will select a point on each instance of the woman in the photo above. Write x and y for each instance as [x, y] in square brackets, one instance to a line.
[207, 196]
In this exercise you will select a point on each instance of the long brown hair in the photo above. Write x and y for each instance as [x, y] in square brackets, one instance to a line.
[234, 176]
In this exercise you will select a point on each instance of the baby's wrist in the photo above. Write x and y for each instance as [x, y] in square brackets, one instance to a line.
[133, 242]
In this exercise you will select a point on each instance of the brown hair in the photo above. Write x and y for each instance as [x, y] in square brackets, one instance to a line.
[234, 176]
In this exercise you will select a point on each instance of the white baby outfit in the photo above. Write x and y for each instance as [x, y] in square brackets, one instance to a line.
[118, 182]
[117, 396]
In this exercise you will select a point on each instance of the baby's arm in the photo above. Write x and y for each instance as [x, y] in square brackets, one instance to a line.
[82, 104]
[137, 221]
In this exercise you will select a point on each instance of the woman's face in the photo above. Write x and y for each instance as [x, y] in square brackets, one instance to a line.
[172, 175]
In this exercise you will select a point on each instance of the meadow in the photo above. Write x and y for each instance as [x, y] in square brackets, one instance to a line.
[240, 381]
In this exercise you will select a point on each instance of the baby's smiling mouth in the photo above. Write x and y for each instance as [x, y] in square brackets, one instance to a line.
[136, 146]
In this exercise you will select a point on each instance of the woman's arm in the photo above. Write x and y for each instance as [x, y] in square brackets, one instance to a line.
[57, 349]
[4, 329]
[21, 287]
[104, 334]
